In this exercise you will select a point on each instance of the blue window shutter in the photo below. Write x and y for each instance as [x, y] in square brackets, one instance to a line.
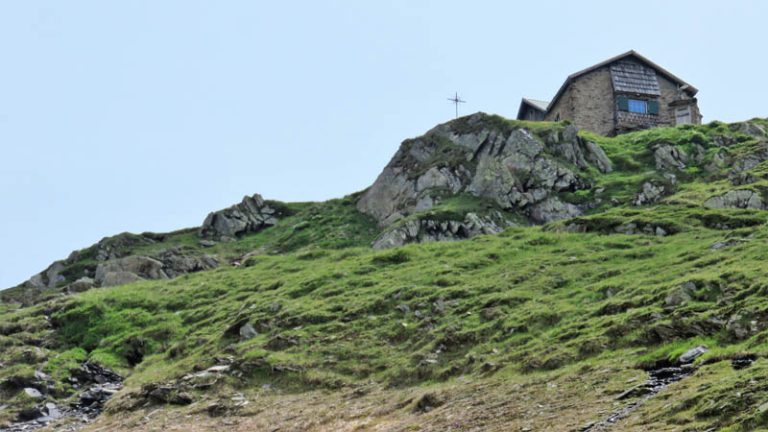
[623, 103]
[653, 107]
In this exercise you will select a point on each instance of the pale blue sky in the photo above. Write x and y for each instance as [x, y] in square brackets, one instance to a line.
[146, 115]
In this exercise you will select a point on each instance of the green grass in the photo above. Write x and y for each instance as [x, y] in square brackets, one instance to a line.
[330, 312]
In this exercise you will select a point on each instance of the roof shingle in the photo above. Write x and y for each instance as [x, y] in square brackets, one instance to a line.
[634, 77]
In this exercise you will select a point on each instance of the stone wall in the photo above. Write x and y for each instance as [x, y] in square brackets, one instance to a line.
[669, 100]
[588, 102]
[531, 114]
[563, 108]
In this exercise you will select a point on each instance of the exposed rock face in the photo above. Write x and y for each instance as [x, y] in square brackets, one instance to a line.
[251, 215]
[742, 198]
[552, 209]
[167, 264]
[83, 284]
[749, 128]
[108, 248]
[651, 194]
[176, 262]
[49, 277]
[429, 230]
[129, 269]
[669, 158]
[509, 165]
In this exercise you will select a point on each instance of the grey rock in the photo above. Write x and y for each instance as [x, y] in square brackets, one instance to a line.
[251, 215]
[741, 325]
[247, 331]
[129, 269]
[596, 155]
[627, 228]
[669, 157]
[121, 245]
[513, 168]
[740, 198]
[553, 209]
[727, 243]
[207, 243]
[176, 262]
[49, 277]
[749, 128]
[429, 230]
[651, 194]
[82, 284]
[692, 354]
[33, 393]
[680, 295]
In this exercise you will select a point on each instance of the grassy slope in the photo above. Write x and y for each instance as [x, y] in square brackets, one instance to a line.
[525, 301]
[530, 301]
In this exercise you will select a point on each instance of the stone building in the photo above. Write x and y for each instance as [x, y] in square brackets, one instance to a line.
[624, 93]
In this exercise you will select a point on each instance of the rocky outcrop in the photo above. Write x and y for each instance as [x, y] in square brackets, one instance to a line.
[741, 198]
[106, 249]
[167, 264]
[251, 215]
[430, 230]
[129, 269]
[177, 262]
[651, 194]
[481, 155]
[669, 157]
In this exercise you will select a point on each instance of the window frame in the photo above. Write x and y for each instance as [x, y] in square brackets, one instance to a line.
[636, 102]
[651, 106]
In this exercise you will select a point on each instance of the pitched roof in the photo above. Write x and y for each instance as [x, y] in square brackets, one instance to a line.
[691, 90]
[538, 105]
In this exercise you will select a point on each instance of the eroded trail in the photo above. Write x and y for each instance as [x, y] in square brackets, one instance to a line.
[657, 380]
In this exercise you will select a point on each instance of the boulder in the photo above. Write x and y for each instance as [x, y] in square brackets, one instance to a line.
[749, 128]
[741, 325]
[129, 269]
[82, 284]
[247, 331]
[177, 261]
[48, 278]
[651, 194]
[553, 209]
[692, 354]
[251, 215]
[680, 295]
[740, 198]
[32, 393]
[669, 157]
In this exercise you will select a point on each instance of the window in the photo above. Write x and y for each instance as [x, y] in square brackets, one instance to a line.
[638, 106]
[683, 115]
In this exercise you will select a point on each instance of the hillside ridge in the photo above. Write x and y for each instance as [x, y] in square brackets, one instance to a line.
[601, 284]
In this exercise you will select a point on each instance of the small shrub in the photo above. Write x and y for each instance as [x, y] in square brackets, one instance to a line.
[397, 256]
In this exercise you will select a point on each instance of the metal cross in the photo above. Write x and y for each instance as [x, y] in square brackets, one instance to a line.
[456, 101]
